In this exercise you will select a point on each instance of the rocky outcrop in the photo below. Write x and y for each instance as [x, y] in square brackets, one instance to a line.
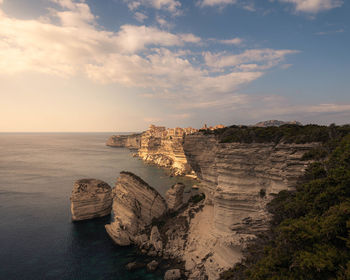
[172, 274]
[91, 198]
[135, 205]
[165, 148]
[174, 196]
[160, 146]
[132, 141]
[152, 266]
[238, 179]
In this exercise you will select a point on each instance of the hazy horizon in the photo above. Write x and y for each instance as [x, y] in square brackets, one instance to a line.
[120, 65]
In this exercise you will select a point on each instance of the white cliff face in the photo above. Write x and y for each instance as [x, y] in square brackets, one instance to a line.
[135, 205]
[200, 151]
[165, 151]
[174, 196]
[247, 177]
[91, 198]
[132, 141]
[238, 179]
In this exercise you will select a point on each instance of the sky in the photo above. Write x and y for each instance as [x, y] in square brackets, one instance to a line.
[120, 65]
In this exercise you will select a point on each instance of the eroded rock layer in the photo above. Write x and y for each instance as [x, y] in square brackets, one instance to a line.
[239, 178]
[174, 196]
[132, 141]
[135, 205]
[164, 147]
[91, 198]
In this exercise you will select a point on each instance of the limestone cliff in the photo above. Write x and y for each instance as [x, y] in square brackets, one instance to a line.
[164, 147]
[135, 205]
[132, 141]
[91, 198]
[238, 179]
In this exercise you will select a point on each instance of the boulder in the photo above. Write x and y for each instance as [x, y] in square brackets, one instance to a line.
[152, 266]
[174, 196]
[172, 274]
[91, 198]
[134, 265]
[135, 205]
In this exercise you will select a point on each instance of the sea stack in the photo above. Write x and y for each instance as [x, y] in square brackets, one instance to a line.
[135, 205]
[174, 196]
[91, 198]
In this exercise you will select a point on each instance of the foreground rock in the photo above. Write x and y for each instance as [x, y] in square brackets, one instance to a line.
[173, 274]
[135, 205]
[174, 196]
[91, 198]
[152, 266]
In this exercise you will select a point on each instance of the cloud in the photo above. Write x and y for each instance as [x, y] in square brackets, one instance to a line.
[314, 6]
[68, 42]
[133, 38]
[171, 6]
[140, 16]
[263, 58]
[274, 106]
[212, 3]
[233, 41]
[163, 22]
[321, 33]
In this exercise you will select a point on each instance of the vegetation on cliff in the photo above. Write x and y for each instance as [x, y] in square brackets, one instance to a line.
[288, 133]
[309, 236]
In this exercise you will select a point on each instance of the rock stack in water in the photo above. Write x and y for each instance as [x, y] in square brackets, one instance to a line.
[135, 205]
[91, 198]
[174, 196]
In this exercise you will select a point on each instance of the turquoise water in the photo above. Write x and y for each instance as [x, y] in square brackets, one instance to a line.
[37, 238]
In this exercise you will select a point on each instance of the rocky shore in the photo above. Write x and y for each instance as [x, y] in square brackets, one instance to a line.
[203, 236]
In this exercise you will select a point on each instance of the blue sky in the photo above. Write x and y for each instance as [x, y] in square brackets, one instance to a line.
[119, 65]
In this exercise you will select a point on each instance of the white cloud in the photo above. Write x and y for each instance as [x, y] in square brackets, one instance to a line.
[233, 41]
[212, 3]
[163, 22]
[314, 6]
[140, 16]
[133, 38]
[171, 6]
[158, 63]
[263, 58]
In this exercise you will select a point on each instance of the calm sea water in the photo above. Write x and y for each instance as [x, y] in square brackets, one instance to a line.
[37, 238]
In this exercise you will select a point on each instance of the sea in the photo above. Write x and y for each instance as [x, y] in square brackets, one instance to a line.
[38, 240]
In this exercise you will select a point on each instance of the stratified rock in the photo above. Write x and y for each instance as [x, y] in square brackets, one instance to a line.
[152, 266]
[156, 240]
[172, 274]
[135, 205]
[132, 141]
[239, 179]
[174, 196]
[163, 147]
[91, 198]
